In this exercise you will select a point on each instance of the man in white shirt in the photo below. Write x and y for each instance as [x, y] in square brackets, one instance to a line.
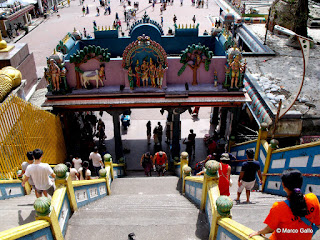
[24, 166]
[96, 159]
[77, 162]
[40, 173]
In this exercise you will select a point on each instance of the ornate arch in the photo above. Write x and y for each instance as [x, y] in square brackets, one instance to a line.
[142, 48]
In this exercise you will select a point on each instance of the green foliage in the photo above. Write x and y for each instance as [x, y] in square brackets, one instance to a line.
[182, 69]
[87, 53]
[207, 64]
[79, 70]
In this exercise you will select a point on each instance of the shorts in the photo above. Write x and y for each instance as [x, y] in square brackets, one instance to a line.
[160, 168]
[247, 185]
[50, 190]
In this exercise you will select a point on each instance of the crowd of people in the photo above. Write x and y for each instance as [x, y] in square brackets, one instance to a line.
[40, 176]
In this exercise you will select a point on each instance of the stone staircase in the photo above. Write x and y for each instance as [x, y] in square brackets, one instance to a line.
[17, 211]
[151, 207]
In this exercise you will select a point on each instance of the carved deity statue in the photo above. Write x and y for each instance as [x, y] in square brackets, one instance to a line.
[160, 74]
[215, 78]
[54, 72]
[101, 73]
[235, 67]
[138, 73]
[144, 72]
[130, 78]
[152, 73]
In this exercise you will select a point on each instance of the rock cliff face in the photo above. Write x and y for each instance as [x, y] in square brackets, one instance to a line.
[291, 14]
[283, 12]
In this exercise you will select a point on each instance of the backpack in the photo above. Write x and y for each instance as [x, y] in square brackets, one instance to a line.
[306, 221]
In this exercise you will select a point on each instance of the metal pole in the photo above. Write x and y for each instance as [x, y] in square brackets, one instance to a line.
[265, 37]
[277, 119]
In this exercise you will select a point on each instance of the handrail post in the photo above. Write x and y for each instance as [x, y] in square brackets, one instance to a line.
[221, 209]
[263, 134]
[44, 211]
[103, 173]
[63, 178]
[186, 172]
[272, 146]
[184, 159]
[211, 175]
[108, 162]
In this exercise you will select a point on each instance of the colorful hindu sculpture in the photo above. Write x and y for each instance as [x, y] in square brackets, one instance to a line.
[193, 56]
[215, 78]
[152, 73]
[144, 73]
[154, 62]
[83, 56]
[234, 69]
[55, 73]
[137, 74]
[101, 73]
[160, 74]
[130, 78]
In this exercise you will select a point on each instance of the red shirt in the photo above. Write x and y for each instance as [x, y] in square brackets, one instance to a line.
[288, 227]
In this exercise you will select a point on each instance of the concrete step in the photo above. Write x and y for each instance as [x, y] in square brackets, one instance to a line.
[17, 211]
[151, 207]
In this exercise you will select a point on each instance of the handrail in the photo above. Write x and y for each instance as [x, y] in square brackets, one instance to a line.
[10, 181]
[23, 230]
[244, 143]
[305, 145]
[57, 198]
[198, 179]
[238, 229]
[87, 182]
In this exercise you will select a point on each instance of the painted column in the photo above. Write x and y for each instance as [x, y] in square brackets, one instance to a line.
[176, 135]
[215, 116]
[223, 121]
[117, 134]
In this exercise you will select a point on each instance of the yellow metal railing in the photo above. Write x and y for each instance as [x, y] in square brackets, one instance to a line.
[24, 127]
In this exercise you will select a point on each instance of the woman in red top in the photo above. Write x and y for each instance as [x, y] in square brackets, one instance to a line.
[284, 220]
[224, 175]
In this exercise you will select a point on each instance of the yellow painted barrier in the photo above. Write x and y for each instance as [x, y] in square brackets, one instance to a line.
[244, 143]
[10, 181]
[306, 145]
[57, 198]
[198, 179]
[52, 218]
[23, 128]
[23, 230]
[237, 229]
[87, 182]
[70, 191]
[213, 193]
